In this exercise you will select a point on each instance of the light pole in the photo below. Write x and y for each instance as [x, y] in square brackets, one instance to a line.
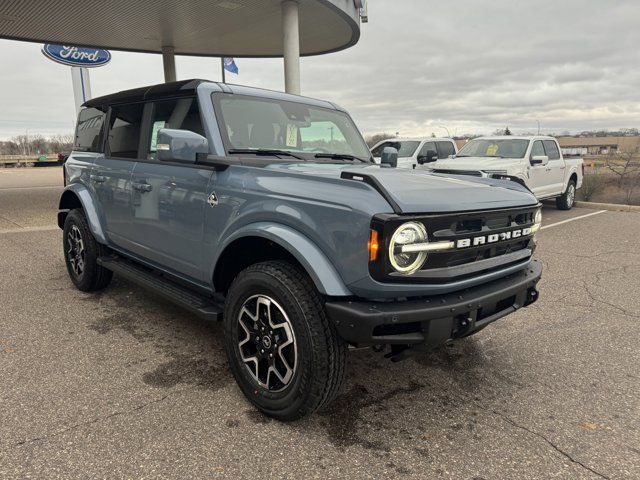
[448, 134]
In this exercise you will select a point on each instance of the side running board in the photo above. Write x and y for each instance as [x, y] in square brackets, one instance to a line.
[201, 305]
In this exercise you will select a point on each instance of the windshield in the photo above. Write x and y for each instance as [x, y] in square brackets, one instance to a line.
[482, 147]
[406, 148]
[253, 123]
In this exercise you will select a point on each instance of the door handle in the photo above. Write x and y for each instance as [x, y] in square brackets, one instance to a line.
[98, 178]
[143, 187]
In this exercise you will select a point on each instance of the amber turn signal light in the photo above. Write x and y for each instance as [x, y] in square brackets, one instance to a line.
[373, 245]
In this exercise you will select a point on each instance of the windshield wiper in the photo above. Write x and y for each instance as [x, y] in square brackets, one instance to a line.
[339, 156]
[265, 152]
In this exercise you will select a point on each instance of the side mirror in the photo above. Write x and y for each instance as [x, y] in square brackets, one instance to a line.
[180, 145]
[431, 156]
[389, 157]
[539, 160]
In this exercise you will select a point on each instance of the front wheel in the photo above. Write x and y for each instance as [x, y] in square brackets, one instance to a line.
[566, 200]
[284, 353]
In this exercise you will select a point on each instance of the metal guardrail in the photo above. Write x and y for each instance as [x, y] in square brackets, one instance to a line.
[27, 159]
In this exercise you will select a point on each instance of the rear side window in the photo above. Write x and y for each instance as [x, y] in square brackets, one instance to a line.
[180, 113]
[89, 130]
[552, 150]
[124, 130]
[445, 149]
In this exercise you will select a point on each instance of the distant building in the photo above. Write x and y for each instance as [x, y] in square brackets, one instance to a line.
[583, 146]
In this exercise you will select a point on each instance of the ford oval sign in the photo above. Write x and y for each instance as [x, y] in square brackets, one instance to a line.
[77, 56]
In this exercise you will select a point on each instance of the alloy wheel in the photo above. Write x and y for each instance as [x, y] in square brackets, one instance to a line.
[571, 194]
[267, 342]
[76, 252]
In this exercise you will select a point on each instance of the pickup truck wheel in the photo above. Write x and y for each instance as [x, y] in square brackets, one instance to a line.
[566, 200]
[284, 353]
[81, 252]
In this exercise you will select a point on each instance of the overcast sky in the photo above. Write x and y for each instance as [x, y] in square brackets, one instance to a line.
[469, 65]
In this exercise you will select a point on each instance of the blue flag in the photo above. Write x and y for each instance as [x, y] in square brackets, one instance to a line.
[230, 65]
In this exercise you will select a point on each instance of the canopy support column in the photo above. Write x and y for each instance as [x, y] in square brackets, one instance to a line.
[169, 64]
[291, 46]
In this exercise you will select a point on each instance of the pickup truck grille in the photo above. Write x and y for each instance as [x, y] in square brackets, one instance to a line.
[447, 266]
[473, 173]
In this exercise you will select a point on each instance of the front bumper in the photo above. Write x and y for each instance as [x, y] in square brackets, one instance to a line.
[435, 319]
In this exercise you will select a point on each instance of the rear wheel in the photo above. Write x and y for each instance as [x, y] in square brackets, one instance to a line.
[566, 200]
[81, 253]
[284, 353]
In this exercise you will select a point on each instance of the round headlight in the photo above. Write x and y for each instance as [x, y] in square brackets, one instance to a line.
[538, 217]
[407, 234]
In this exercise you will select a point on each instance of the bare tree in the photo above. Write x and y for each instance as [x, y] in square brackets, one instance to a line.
[378, 137]
[624, 164]
[36, 144]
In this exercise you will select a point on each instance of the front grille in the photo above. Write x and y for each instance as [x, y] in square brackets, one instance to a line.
[470, 225]
[448, 266]
[474, 173]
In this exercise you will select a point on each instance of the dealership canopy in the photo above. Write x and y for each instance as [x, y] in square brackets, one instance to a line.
[230, 28]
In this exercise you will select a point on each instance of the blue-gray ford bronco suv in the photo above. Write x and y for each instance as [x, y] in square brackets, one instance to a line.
[266, 211]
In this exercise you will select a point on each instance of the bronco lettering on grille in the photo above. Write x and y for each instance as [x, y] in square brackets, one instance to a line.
[493, 238]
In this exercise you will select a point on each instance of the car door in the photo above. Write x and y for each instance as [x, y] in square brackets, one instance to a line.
[169, 198]
[111, 174]
[555, 168]
[538, 175]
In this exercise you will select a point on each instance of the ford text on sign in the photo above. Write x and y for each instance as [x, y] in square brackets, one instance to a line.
[77, 56]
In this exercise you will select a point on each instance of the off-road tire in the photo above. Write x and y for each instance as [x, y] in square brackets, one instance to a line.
[567, 199]
[320, 352]
[93, 277]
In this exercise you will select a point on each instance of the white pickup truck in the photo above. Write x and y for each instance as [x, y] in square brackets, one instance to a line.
[533, 161]
[416, 151]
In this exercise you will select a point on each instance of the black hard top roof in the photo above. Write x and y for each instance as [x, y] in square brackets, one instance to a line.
[159, 91]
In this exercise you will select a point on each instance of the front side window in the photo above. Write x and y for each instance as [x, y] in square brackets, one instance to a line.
[179, 113]
[483, 147]
[427, 147]
[552, 150]
[89, 130]
[124, 130]
[406, 148]
[252, 123]
[445, 149]
[537, 150]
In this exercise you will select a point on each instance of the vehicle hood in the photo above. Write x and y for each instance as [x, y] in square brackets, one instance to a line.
[474, 163]
[422, 191]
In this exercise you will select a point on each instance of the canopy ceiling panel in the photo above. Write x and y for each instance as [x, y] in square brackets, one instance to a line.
[239, 28]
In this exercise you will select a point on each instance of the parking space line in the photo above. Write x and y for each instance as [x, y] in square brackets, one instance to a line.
[572, 219]
[45, 228]
[38, 187]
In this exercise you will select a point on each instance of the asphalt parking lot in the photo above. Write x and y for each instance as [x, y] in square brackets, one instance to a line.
[121, 384]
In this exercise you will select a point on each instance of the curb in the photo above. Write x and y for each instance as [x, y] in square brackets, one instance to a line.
[616, 207]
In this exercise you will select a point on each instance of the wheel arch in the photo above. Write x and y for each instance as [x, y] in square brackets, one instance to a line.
[574, 177]
[78, 196]
[267, 241]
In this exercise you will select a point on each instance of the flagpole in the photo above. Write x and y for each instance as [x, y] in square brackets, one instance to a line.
[224, 80]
